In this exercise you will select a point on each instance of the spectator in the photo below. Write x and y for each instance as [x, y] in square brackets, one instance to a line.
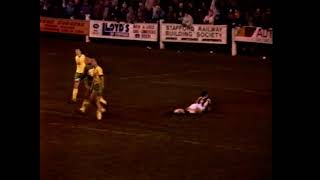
[45, 8]
[114, 3]
[141, 6]
[201, 13]
[148, 15]
[224, 12]
[238, 18]
[266, 18]
[77, 10]
[158, 14]
[41, 6]
[116, 13]
[98, 10]
[233, 4]
[217, 17]
[56, 11]
[230, 19]
[150, 4]
[209, 19]
[85, 9]
[248, 19]
[175, 3]
[180, 12]
[257, 18]
[171, 16]
[134, 4]
[141, 17]
[187, 19]
[123, 12]
[69, 9]
[190, 8]
[107, 7]
[141, 13]
[131, 15]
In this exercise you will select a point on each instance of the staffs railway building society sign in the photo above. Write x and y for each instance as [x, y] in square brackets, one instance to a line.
[210, 34]
[120, 30]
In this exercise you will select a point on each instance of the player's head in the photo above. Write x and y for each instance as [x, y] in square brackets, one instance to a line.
[88, 60]
[78, 52]
[204, 94]
[94, 62]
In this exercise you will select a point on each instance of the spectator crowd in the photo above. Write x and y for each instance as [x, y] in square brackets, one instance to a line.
[230, 12]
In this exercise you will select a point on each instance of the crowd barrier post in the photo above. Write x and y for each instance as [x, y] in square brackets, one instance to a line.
[161, 44]
[87, 36]
[233, 42]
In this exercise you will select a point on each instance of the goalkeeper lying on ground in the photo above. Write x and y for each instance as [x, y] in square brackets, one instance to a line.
[201, 105]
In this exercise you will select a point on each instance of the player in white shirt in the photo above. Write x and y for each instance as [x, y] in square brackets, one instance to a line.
[201, 105]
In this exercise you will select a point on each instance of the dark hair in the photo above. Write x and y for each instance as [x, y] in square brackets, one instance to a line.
[204, 93]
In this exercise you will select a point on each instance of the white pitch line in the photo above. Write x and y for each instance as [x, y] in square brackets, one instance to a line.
[188, 141]
[113, 131]
[249, 91]
[160, 75]
[193, 142]
[169, 74]
[64, 114]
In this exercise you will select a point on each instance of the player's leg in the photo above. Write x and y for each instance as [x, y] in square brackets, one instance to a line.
[99, 108]
[86, 102]
[206, 106]
[179, 111]
[98, 92]
[103, 101]
[85, 105]
[77, 79]
[195, 109]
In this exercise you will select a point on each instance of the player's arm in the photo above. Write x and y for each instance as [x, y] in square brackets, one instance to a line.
[208, 104]
[100, 73]
[102, 80]
[198, 99]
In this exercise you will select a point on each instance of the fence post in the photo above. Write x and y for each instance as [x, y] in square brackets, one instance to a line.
[233, 42]
[87, 36]
[162, 46]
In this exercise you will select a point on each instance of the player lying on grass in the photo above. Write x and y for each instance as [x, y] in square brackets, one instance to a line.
[201, 105]
[96, 90]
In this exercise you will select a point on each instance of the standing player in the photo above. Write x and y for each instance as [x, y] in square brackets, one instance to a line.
[88, 78]
[79, 75]
[202, 104]
[96, 89]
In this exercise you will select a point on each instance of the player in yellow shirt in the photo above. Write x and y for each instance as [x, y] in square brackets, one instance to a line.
[80, 60]
[96, 89]
[88, 79]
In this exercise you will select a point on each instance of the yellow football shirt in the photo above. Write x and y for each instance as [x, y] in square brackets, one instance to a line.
[97, 72]
[80, 61]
